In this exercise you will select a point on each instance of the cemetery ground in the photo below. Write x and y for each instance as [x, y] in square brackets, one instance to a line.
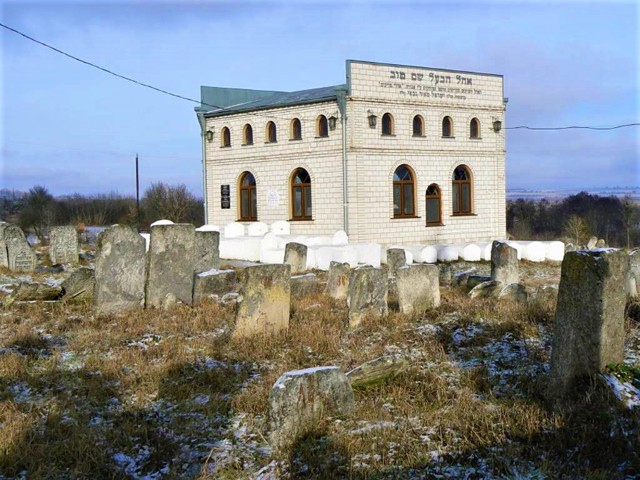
[169, 394]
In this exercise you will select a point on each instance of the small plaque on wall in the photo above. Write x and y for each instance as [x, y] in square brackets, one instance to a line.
[225, 196]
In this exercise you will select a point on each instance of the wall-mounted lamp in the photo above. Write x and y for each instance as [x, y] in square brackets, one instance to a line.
[332, 122]
[372, 119]
[209, 135]
[497, 126]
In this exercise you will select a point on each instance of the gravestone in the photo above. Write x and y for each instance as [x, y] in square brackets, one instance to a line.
[633, 277]
[295, 255]
[120, 271]
[515, 292]
[79, 285]
[214, 283]
[593, 241]
[504, 263]
[301, 398]
[487, 289]
[207, 250]
[29, 292]
[4, 256]
[20, 256]
[368, 290]
[338, 280]
[170, 264]
[589, 326]
[477, 279]
[396, 258]
[418, 288]
[10, 232]
[63, 245]
[266, 300]
[445, 274]
[306, 284]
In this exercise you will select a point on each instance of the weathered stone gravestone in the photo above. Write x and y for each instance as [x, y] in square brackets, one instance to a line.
[266, 300]
[171, 262]
[418, 288]
[4, 256]
[368, 290]
[589, 325]
[338, 280]
[79, 285]
[214, 283]
[487, 289]
[63, 245]
[10, 232]
[300, 398]
[295, 255]
[207, 249]
[515, 292]
[377, 371]
[306, 284]
[396, 258]
[504, 263]
[633, 277]
[445, 274]
[28, 292]
[593, 241]
[20, 256]
[120, 271]
[476, 279]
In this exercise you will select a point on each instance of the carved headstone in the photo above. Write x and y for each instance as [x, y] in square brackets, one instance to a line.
[79, 285]
[171, 263]
[589, 326]
[368, 290]
[295, 255]
[63, 245]
[20, 255]
[10, 232]
[207, 250]
[418, 288]
[214, 283]
[396, 258]
[338, 280]
[504, 263]
[120, 271]
[266, 300]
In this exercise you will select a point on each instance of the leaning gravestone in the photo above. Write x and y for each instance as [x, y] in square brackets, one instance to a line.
[418, 288]
[338, 280]
[589, 325]
[266, 300]
[63, 245]
[171, 263]
[593, 241]
[20, 255]
[79, 285]
[207, 250]
[4, 257]
[396, 258]
[368, 290]
[295, 255]
[120, 271]
[301, 398]
[504, 263]
[213, 284]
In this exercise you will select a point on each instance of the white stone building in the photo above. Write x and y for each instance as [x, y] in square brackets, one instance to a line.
[398, 154]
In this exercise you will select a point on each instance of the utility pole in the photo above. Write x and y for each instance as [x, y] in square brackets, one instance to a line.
[137, 195]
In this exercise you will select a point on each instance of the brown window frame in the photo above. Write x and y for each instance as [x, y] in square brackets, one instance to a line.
[252, 190]
[474, 128]
[303, 187]
[247, 134]
[295, 132]
[431, 197]
[447, 127]
[387, 125]
[272, 132]
[322, 127]
[225, 137]
[457, 188]
[402, 184]
[419, 132]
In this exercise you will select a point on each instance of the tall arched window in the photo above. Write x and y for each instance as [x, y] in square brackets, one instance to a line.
[474, 128]
[296, 129]
[301, 195]
[322, 126]
[447, 127]
[248, 198]
[418, 126]
[387, 124]
[403, 204]
[433, 205]
[271, 133]
[461, 191]
[247, 135]
[225, 137]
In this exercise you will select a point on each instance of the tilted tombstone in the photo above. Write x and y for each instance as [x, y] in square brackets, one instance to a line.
[396, 258]
[207, 250]
[368, 290]
[63, 244]
[214, 283]
[418, 288]
[79, 285]
[338, 280]
[20, 255]
[504, 263]
[120, 271]
[295, 255]
[171, 262]
[589, 326]
[4, 256]
[266, 300]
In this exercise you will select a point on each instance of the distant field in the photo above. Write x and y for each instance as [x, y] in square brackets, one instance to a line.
[514, 194]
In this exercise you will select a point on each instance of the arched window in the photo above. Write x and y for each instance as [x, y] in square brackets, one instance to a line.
[271, 133]
[387, 124]
[418, 126]
[247, 135]
[461, 191]
[403, 204]
[474, 128]
[322, 126]
[225, 137]
[300, 195]
[248, 198]
[433, 205]
[447, 127]
[296, 129]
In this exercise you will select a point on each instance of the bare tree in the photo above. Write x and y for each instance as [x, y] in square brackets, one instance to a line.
[576, 228]
[173, 203]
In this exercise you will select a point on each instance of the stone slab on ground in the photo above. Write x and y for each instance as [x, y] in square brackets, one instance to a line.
[378, 371]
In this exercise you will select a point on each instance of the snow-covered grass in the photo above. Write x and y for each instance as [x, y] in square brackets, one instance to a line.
[168, 394]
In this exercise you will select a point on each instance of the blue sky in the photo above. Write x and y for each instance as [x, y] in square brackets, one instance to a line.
[73, 128]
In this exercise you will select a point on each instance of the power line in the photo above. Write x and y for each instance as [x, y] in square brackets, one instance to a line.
[160, 90]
